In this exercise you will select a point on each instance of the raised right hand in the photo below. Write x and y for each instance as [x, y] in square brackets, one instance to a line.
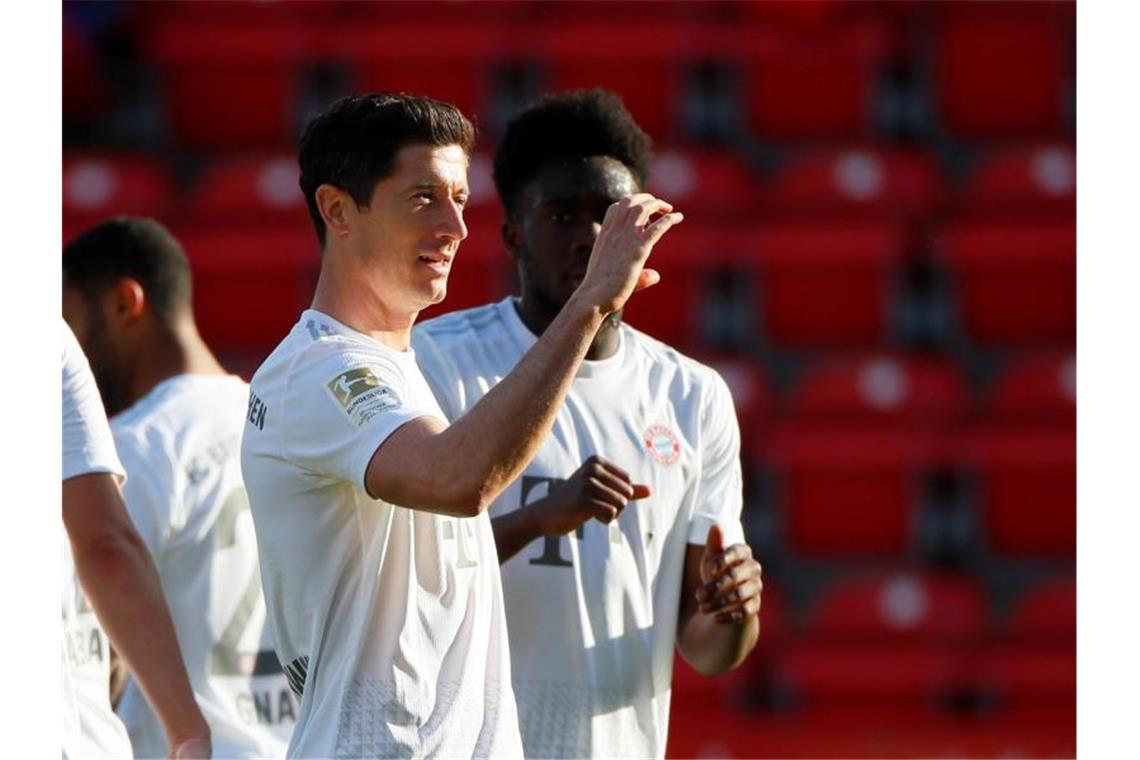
[624, 243]
[597, 490]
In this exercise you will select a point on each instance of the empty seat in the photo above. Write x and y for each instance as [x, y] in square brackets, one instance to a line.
[711, 183]
[818, 671]
[1019, 674]
[901, 607]
[1030, 179]
[248, 190]
[855, 181]
[1014, 282]
[825, 284]
[1002, 68]
[880, 388]
[820, 84]
[250, 283]
[851, 490]
[1036, 389]
[1027, 488]
[99, 186]
[227, 85]
[1046, 612]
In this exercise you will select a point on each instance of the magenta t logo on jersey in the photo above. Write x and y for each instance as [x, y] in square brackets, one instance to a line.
[663, 444]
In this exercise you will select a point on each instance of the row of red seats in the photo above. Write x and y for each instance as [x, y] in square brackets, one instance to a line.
[853, 444]
[998, 73]
[1031, 180]
[887, 649]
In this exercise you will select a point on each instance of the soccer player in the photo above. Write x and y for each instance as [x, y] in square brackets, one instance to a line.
[107, 571]
[622, 538]
[377, 555]
[177, 422]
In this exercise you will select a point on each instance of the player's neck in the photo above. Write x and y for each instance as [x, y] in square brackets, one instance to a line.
[350, 298]
[170, 352]
[537, 316]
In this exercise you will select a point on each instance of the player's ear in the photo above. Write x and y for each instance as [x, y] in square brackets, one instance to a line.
[334, 205]
[512, 237]
[128, 300]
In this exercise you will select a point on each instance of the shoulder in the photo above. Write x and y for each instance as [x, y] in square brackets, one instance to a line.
[457, 326]
[673, 366]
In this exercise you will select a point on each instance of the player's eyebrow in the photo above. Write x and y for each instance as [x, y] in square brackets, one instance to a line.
[439, 185]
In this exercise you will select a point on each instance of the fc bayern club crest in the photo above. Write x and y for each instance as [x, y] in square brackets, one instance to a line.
[663, 444]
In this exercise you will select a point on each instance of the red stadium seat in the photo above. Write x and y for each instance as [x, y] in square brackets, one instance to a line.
[849, 491]
[1047, 612]
[825, 284]
[1038, 179]
[816, 671]
[1018, 673]
[901, 607]
[229, 85]
[1002, 68]
[250, 283]
[705, 182]
[1015, 281]
[1027, 488]
[642, 62]
[1037, 389]
[816, 85]
[880, 388]
[99, 186]
[457, 65]
[855, 181]
[249, 189]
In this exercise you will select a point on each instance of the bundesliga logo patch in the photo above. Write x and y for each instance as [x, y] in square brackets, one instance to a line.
[663, 444]
[361, 395]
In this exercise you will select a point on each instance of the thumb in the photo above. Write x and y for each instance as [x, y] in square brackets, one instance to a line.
[715, 542]
[647, 278]
[640, 491]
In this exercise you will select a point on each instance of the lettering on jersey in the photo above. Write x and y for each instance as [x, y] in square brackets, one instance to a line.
[295, 673]
[267, 707]
[216, 454]
[539, 487]
[463, 533]
[662, 444]
[256, 412]
[360, 394]
[317, 329]
[84, 646]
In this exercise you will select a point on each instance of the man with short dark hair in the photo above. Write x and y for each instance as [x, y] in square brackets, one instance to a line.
[177, 427]
[378, 559]
[622, 538]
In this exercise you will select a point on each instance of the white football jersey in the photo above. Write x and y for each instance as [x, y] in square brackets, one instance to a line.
[90, 728]
[180, 444]
[592, 616]
[389, 620]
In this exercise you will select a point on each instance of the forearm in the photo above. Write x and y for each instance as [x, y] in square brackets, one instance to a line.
[714, 648]
[515, 530]
[503, 432]
[119, 578]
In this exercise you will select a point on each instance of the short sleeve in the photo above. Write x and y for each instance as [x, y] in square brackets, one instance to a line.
[341, 407]
[440, 372]
[87, 443]
[720, 490]
[148, 491]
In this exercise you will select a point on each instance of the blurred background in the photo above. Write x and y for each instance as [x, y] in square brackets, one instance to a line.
[879, 255]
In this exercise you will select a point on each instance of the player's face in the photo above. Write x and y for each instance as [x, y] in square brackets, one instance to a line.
[410, 231]
[562, 213]
[96, 336]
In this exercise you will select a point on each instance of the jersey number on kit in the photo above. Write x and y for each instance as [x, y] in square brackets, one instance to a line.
[225, 659]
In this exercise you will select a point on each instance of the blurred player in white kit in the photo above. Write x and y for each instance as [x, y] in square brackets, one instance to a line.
[378, 559]
[622, 538]
[107, 571]
[177, 420]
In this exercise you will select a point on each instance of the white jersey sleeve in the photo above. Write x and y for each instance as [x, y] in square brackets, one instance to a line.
[87, 443]
[719, 493]
[148, 493]
[341, 408]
